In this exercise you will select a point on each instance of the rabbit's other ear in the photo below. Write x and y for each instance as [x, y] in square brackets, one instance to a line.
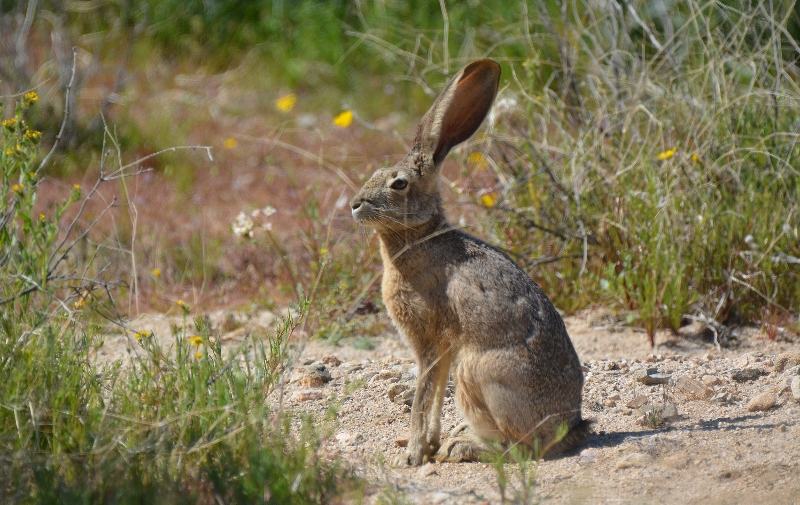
[459, 110]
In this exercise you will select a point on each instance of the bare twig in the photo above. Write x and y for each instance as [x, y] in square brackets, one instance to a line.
[67, 91]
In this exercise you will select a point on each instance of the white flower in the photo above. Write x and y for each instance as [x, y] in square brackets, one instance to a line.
[243, 226]
[268, 210]
[505, 106]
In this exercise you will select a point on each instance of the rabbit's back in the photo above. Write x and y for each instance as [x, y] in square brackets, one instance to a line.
[457, 288]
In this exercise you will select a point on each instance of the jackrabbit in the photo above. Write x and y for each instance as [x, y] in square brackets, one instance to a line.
[460, 301]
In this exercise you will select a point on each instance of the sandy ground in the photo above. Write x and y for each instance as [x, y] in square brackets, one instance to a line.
[718, 449]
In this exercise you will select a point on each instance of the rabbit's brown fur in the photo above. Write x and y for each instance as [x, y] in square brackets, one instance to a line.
[459, 301]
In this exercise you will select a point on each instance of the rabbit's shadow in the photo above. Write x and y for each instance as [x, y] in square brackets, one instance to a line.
[605, 439]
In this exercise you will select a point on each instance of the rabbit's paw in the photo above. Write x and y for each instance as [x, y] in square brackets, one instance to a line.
[461, 448]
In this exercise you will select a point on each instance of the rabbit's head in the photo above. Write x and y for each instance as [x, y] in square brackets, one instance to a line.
[406, 196]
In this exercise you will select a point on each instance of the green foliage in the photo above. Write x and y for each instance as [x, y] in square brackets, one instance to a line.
[31, 248]
[664, 182]
[186, 424]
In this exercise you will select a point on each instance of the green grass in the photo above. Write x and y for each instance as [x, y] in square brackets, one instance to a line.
[185, 424]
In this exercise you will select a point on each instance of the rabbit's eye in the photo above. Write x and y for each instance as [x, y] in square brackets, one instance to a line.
[399, 184]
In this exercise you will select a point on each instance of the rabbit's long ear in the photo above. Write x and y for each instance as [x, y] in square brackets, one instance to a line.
[457, 113]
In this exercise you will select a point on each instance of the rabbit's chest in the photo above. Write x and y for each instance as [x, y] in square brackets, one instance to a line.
[417, 305]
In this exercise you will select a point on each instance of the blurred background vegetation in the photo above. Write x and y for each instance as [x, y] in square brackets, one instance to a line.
[643, 155]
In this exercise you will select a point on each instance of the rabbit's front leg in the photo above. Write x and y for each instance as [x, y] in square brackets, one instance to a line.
[427, 409]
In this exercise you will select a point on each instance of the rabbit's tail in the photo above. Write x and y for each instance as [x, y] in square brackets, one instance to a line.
[574, 437]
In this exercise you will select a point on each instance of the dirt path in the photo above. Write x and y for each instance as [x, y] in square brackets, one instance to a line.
[717, 450]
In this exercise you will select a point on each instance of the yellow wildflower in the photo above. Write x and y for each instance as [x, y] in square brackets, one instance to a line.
[180, 303]
[696, 157]
[344, 119]
[18, 187]
[33, 134]
[488, 200]
[323, 252]
[79, 303]
[77, 187]
[10, 122]
[138, 335]
[667, 154]
[41, 217]
[198, 355]
[156, 272]
[286, 102]
[230, 143]
[31, 96]
[195, 340]
[475, 157]
[9, 152]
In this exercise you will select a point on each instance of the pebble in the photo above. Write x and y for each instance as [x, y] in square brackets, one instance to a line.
[693, 388]
[747, 374]
[348, 438]
[711, 380]
[651, 376]
[401, 394]
[796, 388]
[637, 402]
[670, 411]
[787, 360]
[402, 440]
[426, 470]
[315, 375]
[588, 455]
[387, 375]
[763, 401]
[634, 459]
[331, 361]
[304, 395]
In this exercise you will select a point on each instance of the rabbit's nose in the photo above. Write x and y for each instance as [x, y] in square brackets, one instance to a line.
[355, 203]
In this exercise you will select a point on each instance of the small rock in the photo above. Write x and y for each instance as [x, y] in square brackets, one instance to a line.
[722, 398]
[348, 438]
[315, 376]
[308, 361]
[787, 360]
[763, 401]
[796, 388]
[588, 455]
[402, 440]
[637, 402]
[669, 411]
[611, 365]
[426, 470]
[387, 375]
[747, 374]
[651, 376]
[331, 361]
[304, 395]
[711, 380]
[634, 459]
[609, 403]
[693, 388]
[616, 397]
[401, 394]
